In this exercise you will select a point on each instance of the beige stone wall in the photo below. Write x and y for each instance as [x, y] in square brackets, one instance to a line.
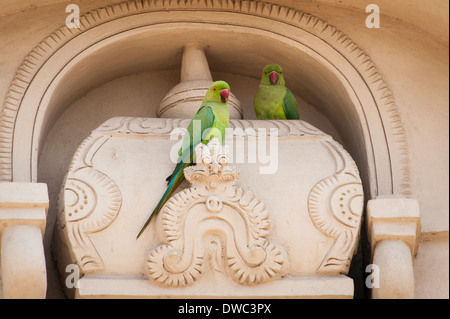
[431, 269]
[410, 49]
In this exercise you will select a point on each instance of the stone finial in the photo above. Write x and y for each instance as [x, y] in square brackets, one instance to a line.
[183, 100]
[194, 65]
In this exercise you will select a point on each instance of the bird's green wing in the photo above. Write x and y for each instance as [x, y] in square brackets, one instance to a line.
[203, 120]
[290, 106]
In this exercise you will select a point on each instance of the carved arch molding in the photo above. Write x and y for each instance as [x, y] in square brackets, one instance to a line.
[25, 111]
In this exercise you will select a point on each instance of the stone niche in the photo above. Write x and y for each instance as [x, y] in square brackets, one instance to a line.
[276, 213]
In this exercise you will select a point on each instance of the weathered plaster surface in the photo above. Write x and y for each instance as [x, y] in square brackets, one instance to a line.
[410, 49]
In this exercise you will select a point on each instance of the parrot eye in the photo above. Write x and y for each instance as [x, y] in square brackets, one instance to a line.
[215, 89]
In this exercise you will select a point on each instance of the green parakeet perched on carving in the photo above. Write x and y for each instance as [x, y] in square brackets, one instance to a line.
[274, 101]
[211, 120]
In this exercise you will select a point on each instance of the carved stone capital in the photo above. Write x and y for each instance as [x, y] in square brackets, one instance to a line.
[394, 228]
[394, 218]
[23, 209]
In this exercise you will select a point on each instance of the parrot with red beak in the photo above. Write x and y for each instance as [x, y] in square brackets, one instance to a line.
[274, 101]
[211, 120]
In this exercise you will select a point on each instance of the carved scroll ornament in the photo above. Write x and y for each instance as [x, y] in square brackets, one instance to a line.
[89, 202]
[215, 221]
[335, 206]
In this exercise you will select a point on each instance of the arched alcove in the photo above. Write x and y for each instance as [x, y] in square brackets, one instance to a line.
[324, 67]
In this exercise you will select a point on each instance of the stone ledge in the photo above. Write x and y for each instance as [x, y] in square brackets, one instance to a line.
[23, 195]
[327, 287]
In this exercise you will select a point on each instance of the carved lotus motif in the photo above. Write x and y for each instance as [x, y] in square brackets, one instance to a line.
[212, 166]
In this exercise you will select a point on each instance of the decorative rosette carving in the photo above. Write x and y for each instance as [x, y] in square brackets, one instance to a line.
[335, 207]
[89, 202]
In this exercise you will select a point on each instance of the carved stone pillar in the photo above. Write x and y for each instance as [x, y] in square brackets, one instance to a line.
[394, 228]
[23, 209]
[184, 100]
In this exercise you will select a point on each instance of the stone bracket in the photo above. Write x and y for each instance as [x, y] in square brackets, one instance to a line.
[23, 211]
[394, 229]
[394, 219]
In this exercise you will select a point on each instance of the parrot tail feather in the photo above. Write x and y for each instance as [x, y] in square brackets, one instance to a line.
[176, 179]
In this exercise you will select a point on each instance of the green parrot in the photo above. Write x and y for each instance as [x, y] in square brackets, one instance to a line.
[274, 101]
[211, 120]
